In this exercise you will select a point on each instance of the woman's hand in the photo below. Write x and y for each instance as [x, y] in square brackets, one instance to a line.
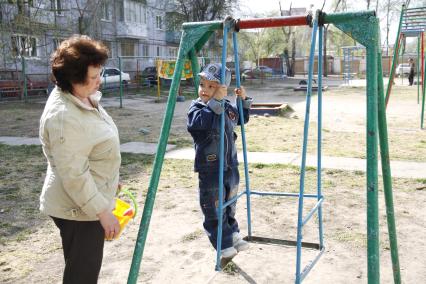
[241, 92]
[110, 224]
[220, 92]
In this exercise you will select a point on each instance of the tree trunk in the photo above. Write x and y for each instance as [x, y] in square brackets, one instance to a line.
[287, 62]
[387, 28]
[80, 25]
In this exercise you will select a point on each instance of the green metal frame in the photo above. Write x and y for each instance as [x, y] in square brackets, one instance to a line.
[363, 27]
[400, 37]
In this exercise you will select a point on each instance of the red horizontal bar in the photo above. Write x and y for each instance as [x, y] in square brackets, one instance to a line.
[273, 22]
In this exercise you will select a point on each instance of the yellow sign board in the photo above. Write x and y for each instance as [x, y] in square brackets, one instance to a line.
[167, 69]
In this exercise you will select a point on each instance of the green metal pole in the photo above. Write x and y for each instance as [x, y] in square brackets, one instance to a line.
[364, 27]
[395, 56]
[387, 177]
[372, 164]
[24, 78]
[418, 69]
[158, 163]
[195, 69]
[121, 83]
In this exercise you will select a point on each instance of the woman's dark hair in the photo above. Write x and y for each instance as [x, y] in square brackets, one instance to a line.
[72, 59]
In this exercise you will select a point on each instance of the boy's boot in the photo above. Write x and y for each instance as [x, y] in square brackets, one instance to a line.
[228, 253]
[238, 242]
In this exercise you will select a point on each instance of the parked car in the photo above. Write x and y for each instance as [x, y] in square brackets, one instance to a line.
[258, 72]
[402, 69]
[111, 77]
[148, 76]
[231, 66]
[12, 84]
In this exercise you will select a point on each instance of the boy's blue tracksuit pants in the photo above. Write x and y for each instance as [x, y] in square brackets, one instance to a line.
[208, 192]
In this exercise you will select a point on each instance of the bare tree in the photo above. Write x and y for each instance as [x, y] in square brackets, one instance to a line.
[393, 10]
[342, 5]
[202, 10]
[252, 41]
[87, 14]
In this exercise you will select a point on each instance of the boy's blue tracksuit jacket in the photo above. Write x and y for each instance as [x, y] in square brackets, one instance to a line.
[204, 126]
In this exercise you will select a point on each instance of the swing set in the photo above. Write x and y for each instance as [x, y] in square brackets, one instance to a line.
[361, 26]
[412, 23]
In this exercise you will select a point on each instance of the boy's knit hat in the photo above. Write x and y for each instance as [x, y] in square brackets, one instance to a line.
[212, 72]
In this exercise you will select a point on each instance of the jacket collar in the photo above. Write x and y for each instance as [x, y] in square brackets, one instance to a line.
[95, 98]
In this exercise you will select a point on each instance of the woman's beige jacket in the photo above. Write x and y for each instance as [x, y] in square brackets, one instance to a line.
[82, 148]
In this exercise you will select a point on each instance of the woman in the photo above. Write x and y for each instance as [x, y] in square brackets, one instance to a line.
[411, 74]
[81, 144]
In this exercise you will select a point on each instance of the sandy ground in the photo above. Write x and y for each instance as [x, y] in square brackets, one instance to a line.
[177, 250]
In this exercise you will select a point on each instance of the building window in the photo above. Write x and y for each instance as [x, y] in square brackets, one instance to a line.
[143, 14]
[105, 10]
[108, 44]
[56, 6]
[56, 42]
[127, 49]
[145, 50]
[24, 46]
[120, 9]
[131, 11]
[159, 23]
[172, 52]
[158, 51]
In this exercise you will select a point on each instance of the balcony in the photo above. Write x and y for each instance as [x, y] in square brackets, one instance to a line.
[173, 36]
[42, 16]
[132, 30]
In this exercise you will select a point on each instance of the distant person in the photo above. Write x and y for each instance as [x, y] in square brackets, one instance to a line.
[81, 144]
[411, 75]
[204, 126]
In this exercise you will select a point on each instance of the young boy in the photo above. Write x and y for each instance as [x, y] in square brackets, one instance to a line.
[204, 127]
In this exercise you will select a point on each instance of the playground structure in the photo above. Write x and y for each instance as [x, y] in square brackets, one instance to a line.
[412, 23]
[363, 27]
[348, 61]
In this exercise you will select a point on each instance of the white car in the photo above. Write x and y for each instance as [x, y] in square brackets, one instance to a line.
[402, 69]
[111, 77]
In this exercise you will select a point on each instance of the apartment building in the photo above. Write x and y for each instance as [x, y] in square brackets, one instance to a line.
[34, 28]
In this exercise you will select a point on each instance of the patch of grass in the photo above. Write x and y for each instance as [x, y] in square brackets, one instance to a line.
[24, 235]
[181, 142]
[231, 268]
[129, 158]
[310, 169]
[21, 170]
[192, 236]
[354, 238]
